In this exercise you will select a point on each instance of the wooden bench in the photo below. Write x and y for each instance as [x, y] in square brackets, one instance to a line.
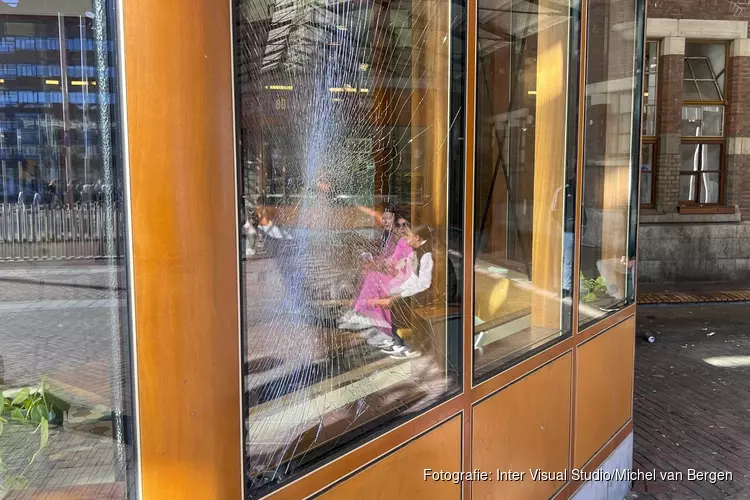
[427, 335]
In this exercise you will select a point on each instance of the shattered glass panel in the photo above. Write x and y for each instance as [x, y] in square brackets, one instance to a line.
[351, 221]
[524, 200]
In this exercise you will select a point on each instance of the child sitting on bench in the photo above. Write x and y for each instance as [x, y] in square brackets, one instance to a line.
[413, 291]
[379, 278]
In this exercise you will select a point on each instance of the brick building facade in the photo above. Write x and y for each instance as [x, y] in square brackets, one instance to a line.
[695, 175]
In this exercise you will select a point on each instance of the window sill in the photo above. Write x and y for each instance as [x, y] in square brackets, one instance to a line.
[698, 209]
[696, 215]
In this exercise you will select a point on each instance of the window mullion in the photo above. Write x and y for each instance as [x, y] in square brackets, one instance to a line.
[690, 68]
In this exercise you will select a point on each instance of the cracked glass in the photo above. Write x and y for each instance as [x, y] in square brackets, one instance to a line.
[351, 165]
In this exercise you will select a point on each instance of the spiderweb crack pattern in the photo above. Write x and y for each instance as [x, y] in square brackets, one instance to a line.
[325, 87]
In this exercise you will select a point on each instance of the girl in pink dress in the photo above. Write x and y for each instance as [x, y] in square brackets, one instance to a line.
[377, 284]
[382, 276]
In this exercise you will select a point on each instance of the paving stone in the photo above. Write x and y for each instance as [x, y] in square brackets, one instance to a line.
[689, 413]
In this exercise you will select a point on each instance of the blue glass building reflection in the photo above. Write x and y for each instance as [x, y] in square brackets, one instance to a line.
[50, 102]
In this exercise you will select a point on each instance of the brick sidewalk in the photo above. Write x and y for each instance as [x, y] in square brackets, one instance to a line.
[692, 399]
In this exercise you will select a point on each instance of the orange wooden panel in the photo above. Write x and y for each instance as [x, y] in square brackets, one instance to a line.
[604, 388]
[524, 426]
[401, 474]
[185, 252]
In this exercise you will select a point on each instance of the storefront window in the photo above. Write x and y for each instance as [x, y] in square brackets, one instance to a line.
[66, 410]
[525, 178]
[613, 63]
[351, 126]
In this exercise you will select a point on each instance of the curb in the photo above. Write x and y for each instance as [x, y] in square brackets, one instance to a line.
[693, 297]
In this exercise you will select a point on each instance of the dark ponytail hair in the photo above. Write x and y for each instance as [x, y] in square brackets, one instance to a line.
[424, 233]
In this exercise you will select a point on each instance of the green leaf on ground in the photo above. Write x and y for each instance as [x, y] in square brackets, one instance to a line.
[21, 396]
[39, 414]
[45, 435]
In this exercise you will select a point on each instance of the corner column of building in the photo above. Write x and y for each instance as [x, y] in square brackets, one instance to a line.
[738, 127]
[669, 123]
[185, 249]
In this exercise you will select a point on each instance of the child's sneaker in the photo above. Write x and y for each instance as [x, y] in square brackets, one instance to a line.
[385, 344]
[394, 349]
[406, 354]
[377, 339]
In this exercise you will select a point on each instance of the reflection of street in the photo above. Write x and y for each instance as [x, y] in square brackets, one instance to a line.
[58, 321]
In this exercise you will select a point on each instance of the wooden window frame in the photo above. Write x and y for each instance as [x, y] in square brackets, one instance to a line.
[721, 172]
[646, 74]
[650, 139]
[708, 139]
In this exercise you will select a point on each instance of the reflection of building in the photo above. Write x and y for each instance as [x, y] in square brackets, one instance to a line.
[694, 164]
[50, 114]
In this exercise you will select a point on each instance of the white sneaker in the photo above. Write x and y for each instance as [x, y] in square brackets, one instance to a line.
[378, 339]
[406, 354]
[355, 327]
[362, 320]
[385, 344]
[394, 349]
[379, 323]
[346, 316]
[356, 322]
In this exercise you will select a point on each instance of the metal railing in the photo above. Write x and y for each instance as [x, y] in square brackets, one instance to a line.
[49, 232]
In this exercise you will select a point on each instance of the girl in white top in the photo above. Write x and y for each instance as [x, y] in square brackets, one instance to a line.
[414, 290]
[421, 263]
